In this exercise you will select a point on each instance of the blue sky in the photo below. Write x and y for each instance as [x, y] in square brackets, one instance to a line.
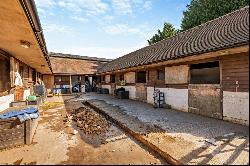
[105, 28]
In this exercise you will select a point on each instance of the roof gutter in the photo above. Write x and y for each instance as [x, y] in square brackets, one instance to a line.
[29, 8]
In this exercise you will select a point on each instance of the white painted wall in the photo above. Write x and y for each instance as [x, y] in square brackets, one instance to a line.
[177, 98]
[26, 93]
[131, 90]
[108, 87]
[5, 101]
[236, 107]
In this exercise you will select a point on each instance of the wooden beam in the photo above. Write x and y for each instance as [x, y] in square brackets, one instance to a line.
[12, 71]
[70, 84]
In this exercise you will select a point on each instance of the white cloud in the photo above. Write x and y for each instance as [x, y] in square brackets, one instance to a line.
[80, 18]
[129, 6]
[143, 30]
[101, 52]
[147, 5]
[45, 3]
[122, 6]
[57, 28]
[41, 11]
[90, 7]
[108, 18]
[62, 4]
[44, 13]
[120, 29]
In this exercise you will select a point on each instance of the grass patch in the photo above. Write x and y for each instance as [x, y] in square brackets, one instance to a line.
[50, 105]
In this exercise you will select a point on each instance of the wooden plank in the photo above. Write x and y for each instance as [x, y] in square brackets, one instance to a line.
[237, 70]
[233, 90]
[234, 81]
[244, 74]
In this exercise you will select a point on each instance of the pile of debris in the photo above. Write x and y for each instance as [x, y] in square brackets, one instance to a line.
[89, 121]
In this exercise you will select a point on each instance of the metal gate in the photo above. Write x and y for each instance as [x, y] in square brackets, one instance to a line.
[205, 99]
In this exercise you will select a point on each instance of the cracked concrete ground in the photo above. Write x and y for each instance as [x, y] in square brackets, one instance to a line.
[192, 132]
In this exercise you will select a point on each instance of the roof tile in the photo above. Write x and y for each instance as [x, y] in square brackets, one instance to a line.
[224, 32]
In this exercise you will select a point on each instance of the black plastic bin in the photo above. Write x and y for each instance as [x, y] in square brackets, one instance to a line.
[105, 91]
[123, 94]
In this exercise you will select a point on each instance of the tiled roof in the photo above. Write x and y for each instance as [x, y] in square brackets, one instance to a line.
[70, 56]
[224, 32]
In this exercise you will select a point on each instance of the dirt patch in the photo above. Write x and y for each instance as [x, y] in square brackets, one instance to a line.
[89, 121]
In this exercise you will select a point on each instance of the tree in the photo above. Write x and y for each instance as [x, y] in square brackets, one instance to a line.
[201, 11]
[168, 31]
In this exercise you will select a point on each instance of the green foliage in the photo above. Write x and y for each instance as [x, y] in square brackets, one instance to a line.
[201, 11]
[168, 31]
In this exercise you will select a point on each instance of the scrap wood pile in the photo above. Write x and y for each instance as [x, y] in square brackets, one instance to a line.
[89, 121]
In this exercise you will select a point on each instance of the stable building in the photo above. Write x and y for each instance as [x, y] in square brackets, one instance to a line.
[204, 70]
[71, 70]
[23, 51]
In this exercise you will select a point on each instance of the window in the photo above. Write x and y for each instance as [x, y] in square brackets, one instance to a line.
[141, 77]
[113, 78]
[205, 73]
[121, 77]
[58, 79]
[62, 80]
[161, 74]
[103, 78]
[21, 71]
[98, 79]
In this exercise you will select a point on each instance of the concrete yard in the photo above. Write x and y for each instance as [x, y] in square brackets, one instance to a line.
[55, 143]
[183, 136]
[190, 132]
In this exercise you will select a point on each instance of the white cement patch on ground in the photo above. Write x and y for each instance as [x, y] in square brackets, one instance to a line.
[236, 107]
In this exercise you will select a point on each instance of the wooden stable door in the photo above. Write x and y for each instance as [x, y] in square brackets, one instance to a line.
[205, 99]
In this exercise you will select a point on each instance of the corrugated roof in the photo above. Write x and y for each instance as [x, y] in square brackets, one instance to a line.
[70, 56]
[226, 31]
